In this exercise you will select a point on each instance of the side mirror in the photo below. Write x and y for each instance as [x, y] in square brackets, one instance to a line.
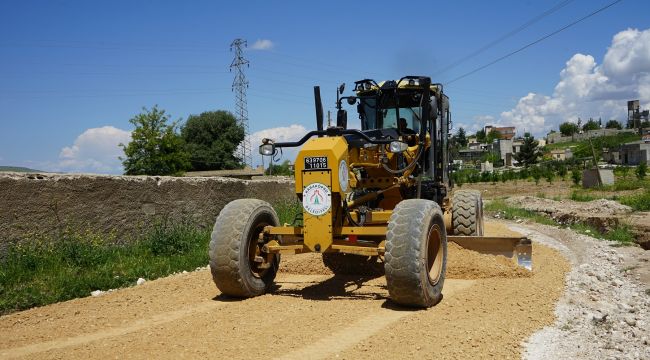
[342, 119]
[352, 100]
[341, 88]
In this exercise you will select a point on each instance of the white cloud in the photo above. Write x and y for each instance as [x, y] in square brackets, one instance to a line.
[262, 44]
[96, 150]
[278, 134]
[587, 89]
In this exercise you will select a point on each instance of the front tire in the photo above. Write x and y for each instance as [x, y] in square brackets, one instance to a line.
[238, 266]
[416, 253]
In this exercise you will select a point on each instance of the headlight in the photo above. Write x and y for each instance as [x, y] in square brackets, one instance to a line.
[397, 146]
[267, 149]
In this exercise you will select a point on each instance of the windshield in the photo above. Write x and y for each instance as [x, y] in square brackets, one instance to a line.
[387, 116]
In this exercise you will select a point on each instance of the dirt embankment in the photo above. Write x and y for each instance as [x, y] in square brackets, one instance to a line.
[487, 314]
[603, 214]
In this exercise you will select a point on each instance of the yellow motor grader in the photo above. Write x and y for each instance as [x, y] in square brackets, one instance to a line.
[378, 197]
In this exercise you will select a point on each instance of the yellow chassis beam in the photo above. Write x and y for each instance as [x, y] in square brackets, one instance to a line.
[519, 248]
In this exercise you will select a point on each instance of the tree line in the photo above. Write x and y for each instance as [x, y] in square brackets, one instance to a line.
[159, 146]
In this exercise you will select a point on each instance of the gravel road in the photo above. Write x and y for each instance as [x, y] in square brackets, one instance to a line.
[558, 311]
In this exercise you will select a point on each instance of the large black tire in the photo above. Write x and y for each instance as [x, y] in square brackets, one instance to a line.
[467, 213]
[416, 253]
[349, 264]
[234, 246]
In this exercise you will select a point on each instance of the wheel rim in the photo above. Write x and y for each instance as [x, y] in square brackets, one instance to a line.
[434, 254]
[258, 269]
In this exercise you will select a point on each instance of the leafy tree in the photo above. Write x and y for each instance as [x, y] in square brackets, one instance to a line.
[492, 135]
[568, 128]
[529, 151]
[155, 147]
[211, 139]
[576, 176]
[641, 171]
[279, 169]
[461, 137]
[590, 125]
[613, 124]
[536, 172]
[549, 175]
[562, 171]
[480, 136]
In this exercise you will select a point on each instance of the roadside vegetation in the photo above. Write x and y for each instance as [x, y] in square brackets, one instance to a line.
[74, 263]
[622, 234]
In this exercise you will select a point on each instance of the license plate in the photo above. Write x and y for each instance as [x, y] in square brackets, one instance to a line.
[316, 163]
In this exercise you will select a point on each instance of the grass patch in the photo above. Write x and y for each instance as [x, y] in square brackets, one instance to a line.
[46, 271]
[289, 212]
[622, 234]
[512, 213]
[582, 196]
[638, 202]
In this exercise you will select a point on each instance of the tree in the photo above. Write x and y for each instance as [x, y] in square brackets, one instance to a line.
[613, 124]
[279, 169]
[568, 128]
[641, 171]
[211, 139]
[529, 151]
[576, 176]
[155, 147]
[590, 125]
[480, 136]
[491, 136]
[461, 138]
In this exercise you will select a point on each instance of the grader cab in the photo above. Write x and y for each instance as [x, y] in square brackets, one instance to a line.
[379, 197]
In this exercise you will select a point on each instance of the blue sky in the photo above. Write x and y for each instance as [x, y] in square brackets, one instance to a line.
[72, 73]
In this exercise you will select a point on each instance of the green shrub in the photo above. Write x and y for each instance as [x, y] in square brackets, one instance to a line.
[576, 176]
[641, 171]
[638, 202]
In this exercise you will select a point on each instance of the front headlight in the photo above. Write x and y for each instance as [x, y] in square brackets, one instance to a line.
[397, 146]
[267, 149]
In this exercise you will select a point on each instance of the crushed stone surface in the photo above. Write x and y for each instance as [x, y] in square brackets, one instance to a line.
[605, 310]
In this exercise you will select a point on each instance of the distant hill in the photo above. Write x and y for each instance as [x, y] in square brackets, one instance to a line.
[18, 169]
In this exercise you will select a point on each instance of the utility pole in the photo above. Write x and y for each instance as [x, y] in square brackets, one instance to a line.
[239, 86]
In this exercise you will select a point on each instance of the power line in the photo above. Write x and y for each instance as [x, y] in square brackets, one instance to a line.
[505, 36]
[533, 43]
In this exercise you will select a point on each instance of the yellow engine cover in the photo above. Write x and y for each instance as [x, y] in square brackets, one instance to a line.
[322, 176]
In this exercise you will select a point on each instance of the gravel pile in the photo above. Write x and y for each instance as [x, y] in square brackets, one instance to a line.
[603, 314]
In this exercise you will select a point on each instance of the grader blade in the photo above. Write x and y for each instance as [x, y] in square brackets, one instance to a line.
[516, 248]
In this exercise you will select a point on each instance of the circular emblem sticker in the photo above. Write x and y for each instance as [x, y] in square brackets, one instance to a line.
[316, 199]
[343, 175]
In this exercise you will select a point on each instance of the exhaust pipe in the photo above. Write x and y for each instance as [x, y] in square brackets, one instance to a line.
[319, 109]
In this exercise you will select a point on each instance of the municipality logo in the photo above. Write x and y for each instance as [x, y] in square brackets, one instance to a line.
[316, 199]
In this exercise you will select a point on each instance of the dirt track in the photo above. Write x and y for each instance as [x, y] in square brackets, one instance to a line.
[306, 316]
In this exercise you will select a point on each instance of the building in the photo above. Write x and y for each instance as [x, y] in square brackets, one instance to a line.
[506, 132]
[634, 153]
[468, 155]
[561, 154]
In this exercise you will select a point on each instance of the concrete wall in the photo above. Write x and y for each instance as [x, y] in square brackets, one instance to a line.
[119, 205]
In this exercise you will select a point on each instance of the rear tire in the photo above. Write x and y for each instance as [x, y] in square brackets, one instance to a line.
[349, 264]
[467, 213]
[416, 253]
[234, 247]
